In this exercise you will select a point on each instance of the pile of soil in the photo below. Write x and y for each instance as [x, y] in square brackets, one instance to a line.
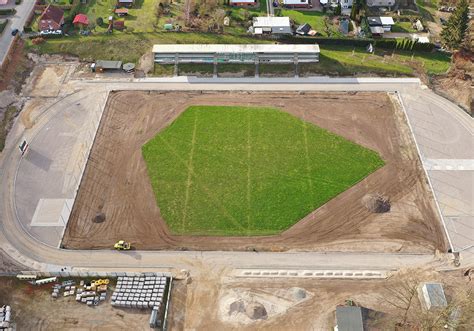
[256, 311]
[376, 203]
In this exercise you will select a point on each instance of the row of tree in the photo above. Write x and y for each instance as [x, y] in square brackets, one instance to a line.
[455, 32]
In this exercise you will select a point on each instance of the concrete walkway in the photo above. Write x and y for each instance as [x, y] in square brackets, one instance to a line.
[445, 139]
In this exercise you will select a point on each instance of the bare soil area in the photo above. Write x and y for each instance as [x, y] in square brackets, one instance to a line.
[33, 308]
[116, 183]
[310, 304]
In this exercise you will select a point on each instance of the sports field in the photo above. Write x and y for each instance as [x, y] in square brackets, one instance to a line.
[226, 170]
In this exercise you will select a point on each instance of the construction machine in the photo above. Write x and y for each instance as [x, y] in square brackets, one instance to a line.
[122, 245]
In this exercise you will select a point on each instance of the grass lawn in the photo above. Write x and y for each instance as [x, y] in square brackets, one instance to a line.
[313, 18]
[141, 16]
[248, 171]
[204, 69]
[403, 27]
[163, 70]
[339, 60]
[245, 69]
[129, 47]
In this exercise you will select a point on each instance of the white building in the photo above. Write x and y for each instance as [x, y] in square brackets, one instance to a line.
[271, 25]
[345, 4]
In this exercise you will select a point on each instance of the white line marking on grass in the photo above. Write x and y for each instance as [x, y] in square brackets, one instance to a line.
[190, 173]
[308, 164]
[248, 171]
[209, 193]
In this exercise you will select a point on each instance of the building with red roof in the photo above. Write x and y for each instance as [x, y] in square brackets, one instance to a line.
[52, 18]
[81, 19]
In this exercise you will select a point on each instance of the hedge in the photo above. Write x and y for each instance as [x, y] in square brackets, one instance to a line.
[326, 41]
[10, 11]
[3, 24]
[402, 44]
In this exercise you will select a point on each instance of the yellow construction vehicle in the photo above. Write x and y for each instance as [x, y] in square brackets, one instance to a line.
[122, 245]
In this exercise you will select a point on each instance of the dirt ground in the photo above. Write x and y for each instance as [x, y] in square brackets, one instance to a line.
[305, 304]
[208, 302]
[34, 309]
[116, 182]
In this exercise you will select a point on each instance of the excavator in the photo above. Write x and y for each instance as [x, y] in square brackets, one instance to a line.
[122, 245]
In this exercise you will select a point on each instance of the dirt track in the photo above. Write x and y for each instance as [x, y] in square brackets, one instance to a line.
[116, 183]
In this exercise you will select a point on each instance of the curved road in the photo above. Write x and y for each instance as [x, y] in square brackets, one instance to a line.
[25, 249]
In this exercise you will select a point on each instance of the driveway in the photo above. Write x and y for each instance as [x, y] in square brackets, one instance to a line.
[17, 21]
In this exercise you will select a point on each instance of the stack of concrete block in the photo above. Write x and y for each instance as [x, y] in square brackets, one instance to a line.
[5, 317]
[139, 292]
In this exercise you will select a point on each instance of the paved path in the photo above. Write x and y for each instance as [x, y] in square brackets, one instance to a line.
[29, 251]
[445, 139]
[17, 21]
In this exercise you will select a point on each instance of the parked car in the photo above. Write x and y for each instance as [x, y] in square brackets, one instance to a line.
[15, 32]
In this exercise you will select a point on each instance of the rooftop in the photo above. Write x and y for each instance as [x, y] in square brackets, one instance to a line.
[350, 318]
[267, 21]
[235, 48]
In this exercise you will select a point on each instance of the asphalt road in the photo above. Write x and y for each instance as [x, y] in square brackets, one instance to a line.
[29, 251]
[17, 21]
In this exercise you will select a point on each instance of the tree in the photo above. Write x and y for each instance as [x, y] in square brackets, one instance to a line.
[454, 32]
[338, 9]
[354, 11]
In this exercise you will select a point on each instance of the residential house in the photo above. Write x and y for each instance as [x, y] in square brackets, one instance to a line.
[52, 18]
[125, 3]
[346, 4]
[271, 25]
[381, 3]
[243, 3]
[297, 3]
[330, 3]
[386, 22]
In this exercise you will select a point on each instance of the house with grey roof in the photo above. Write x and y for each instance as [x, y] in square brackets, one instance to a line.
[381, 3]
[351, 318]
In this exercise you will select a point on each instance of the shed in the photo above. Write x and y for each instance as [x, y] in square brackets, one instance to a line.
[102, 65]
[377, 30]
[433, 296]
[350, 318]
[119, 25]
[81, 19]
[344, 26]
[303, 29]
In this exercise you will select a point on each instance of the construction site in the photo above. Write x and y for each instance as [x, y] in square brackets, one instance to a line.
[390, 210]
[382, 237]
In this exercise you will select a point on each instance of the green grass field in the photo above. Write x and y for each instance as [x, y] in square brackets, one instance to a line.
[248, 171]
